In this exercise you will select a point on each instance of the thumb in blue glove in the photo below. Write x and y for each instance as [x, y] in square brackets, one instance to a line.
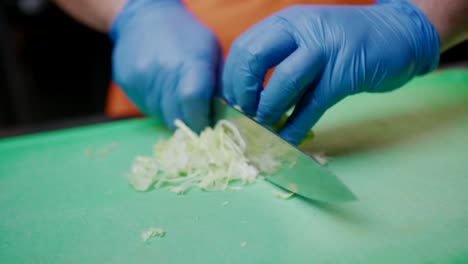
[323, 54]
[165, 60]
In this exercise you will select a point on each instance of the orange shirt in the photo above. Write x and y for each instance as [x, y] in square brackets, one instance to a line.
[227, 19]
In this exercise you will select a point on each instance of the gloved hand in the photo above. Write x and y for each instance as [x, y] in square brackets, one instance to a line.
[165, 60]
[323, 54]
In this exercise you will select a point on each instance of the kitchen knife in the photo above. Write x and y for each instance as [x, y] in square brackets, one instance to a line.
[303, 175]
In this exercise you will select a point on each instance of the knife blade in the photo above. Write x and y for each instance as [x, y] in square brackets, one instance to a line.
[303, 175]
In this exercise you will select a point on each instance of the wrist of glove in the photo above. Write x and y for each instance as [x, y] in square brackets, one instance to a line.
[131, 9]
[422, 34]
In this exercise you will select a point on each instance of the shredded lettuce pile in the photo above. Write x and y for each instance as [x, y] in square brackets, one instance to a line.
[230, 153]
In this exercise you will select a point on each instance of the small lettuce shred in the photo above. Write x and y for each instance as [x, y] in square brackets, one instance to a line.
[284, 195]
[152, 232]
[223, 157]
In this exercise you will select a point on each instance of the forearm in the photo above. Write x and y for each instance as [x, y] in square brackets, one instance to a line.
[449, 18]
[97, 14]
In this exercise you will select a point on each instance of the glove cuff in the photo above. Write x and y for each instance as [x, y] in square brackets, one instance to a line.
[427, 46]
[129, 10]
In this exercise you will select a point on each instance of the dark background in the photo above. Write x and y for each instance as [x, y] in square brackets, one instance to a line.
[51, 67]
[54, 70]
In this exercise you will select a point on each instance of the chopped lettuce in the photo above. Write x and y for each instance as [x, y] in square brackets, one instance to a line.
[214, 160]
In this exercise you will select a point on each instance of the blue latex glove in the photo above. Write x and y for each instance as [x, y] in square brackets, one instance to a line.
[165, 60]
[323, 54]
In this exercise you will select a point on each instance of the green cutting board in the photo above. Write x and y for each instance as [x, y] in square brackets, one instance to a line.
[64, 197]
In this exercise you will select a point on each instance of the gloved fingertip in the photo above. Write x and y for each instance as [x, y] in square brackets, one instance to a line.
[267, 117]
[196, 112]
[171, 112]
[199, 125]
[229, 100]
[247, 110]
[292, 137]
[248, 100]
[170, 124]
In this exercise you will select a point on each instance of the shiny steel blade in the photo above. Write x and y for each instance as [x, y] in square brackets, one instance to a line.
[301, 174]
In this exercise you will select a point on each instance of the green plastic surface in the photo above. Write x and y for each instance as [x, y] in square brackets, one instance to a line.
[64, 197]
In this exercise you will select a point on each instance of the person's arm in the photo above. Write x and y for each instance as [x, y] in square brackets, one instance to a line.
[97, 14]
[449, 18]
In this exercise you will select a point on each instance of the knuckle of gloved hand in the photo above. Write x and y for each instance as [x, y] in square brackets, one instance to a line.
[145, 66]
[189, 94]
[200, 86]
[142, 66]
[247, 53]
